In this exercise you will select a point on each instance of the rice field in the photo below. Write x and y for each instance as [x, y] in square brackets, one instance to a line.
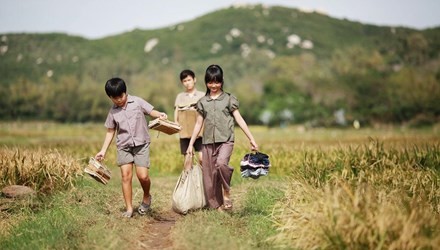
[372, 188]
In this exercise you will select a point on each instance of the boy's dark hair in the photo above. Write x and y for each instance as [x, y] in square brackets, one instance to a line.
[115, 87]
[214, 73]
[185, 73]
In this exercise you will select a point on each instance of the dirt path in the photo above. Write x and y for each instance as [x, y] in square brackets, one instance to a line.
[156, 234]
[154, 230]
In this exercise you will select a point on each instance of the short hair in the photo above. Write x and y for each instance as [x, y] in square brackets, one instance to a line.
[115, 87]
[214, 73]
[185, 73]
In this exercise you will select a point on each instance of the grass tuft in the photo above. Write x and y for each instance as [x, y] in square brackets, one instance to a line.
[362, 198]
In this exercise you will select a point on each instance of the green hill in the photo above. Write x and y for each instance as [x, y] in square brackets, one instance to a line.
[310, 54]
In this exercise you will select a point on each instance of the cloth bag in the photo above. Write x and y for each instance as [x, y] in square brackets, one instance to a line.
[189, 192]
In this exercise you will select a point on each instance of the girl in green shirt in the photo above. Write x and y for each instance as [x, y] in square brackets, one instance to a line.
[217, 111]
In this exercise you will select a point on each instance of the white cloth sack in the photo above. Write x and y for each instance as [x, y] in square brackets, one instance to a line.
[189, 192]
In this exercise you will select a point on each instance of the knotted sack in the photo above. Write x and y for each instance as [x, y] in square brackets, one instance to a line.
[189, 192]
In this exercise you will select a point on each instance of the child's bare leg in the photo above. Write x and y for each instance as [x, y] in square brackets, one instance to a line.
[127, 175]
[227, 202]
[144, 179]
[226, 194]
[200, 157]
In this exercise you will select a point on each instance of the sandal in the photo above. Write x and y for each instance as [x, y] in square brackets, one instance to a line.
[127, 214]
[227, 204]
[144, 207]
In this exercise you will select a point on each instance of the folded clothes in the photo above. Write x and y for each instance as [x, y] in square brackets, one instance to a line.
[254, 174]
[257, 158]
[254, 165]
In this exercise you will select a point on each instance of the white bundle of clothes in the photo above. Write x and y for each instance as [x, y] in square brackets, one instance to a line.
[254, 165]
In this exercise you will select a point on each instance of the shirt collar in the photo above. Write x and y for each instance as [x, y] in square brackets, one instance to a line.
[196, 93]
[130, 99]
[221, 97]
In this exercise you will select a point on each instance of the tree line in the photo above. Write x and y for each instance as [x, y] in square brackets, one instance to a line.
[354, 83]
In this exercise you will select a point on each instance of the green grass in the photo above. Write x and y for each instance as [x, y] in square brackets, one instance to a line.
[247, 227]
[85, 217]
[327, 189]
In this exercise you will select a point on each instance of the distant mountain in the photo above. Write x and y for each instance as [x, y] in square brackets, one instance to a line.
[243, 40]
[274, 31]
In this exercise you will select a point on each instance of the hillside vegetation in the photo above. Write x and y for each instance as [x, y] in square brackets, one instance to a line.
[285, 66]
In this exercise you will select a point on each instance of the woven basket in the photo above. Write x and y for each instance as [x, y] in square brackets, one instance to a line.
[98, 171]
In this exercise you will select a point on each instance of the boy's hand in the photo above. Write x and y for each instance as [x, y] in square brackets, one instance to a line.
[100, 156]
[163, 116]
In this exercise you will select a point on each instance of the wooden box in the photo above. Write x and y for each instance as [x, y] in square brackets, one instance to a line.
[165, 126]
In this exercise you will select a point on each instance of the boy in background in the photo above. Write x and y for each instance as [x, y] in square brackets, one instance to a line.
[126, 119]
[185, 113]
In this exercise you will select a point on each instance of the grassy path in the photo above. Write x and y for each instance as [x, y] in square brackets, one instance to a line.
[162, 228]
[151, 231]
[156, 234]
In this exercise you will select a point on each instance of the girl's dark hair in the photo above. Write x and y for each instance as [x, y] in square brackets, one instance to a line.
[185, 73]
[214, 73]
[115, 87]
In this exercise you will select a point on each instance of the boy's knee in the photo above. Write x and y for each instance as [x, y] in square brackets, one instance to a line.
[126, 178]
[144, 178]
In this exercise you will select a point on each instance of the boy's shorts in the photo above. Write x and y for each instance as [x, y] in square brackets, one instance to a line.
[184, 142]
[139, 155]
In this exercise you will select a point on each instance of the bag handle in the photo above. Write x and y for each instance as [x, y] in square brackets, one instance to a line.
[189, 160]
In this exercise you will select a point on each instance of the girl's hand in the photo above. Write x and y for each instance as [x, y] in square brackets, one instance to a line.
[254, 146]
[190, 150]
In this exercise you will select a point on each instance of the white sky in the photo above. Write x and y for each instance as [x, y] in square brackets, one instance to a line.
[100, 18]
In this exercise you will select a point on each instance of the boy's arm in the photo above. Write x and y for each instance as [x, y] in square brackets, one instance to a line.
[176, 115]
[108, 139]
[241, 122]
[157, 114]
[196, 131]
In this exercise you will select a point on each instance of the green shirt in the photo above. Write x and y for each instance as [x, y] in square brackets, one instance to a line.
[218, 118]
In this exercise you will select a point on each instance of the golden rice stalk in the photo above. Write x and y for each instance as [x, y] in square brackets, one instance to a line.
[362, 198]
[344, 217]
[41, 169]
